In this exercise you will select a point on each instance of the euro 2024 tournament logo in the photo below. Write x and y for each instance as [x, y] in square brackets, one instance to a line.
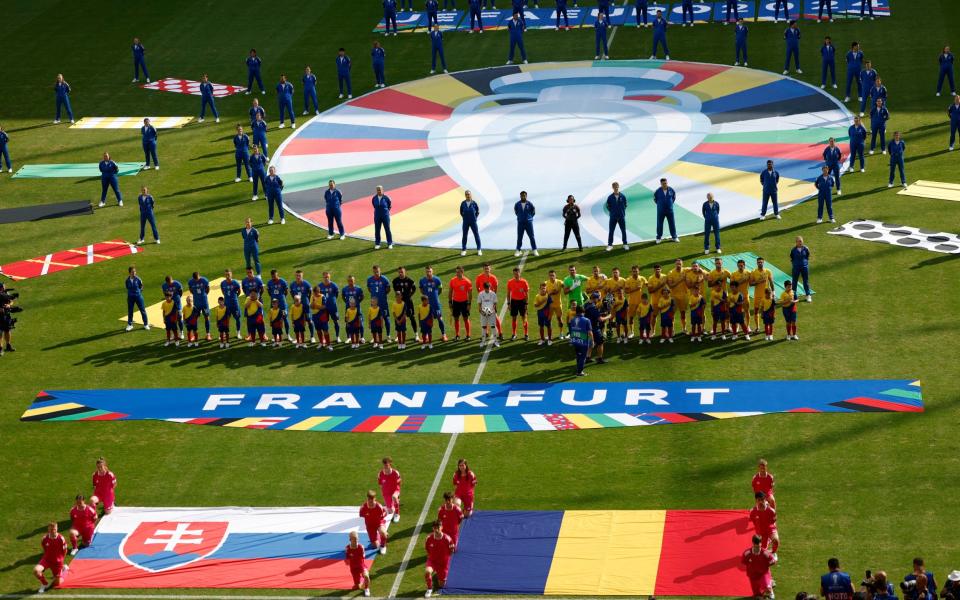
[161, 546]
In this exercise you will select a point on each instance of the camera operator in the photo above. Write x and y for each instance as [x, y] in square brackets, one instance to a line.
[597, 321]
[951, 589]
[7, 320]
[836, 585]
[919, 585]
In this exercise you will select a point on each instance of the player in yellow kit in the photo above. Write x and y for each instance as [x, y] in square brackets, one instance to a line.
[633, 288]
[656, 283]
[698, 305]
[721, 275]
[768, 311]
[666, 305]
[677, 281]
[788, 302]
[741, 277]
[555, 291]
[644, 318]
[171, 320]
[398, 310]
[619, 308]
[541, 305]
[760, 279]
[719, 309]
[595, 282]
[222, 317]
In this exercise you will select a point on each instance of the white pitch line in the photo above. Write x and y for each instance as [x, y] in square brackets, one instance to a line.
[613, 33]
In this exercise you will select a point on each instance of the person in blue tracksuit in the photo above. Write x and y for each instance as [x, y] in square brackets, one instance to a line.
[251, 245]
[378, 57]
[309, 81]
[277, 289]
[516, 38]
[405, 5]
[833, 158]
[285, 101]
[476, 16]
[854, 66]
[946, 70]
[148, 138]
[879, 116]
[828, 62]
[660, 36]
[879, 91]
[562, 12]
[525, 211]
[4, 151]
[146, 204]
[62, 91]
[792, 37]
[686, 9]
[253, 71]
[381, 217]
[206, 99]
[866, 4]
[241, 153]
[260, 136]
[868, 78]
[108, 179]
[829, 5]
[432, 7]
[896, 148]
[642, 7]
[258, 168]
[343, 72]
[452, 5]
[664, 198]
[134, 287]
[711, 222]
[273, 189]
[139, 61]
[390, 16]
[333, 200]
[520, 8]
[786, 11]
[769, 178]
[733, 7]
[436, 49]
[617, 215]
[740, 43]
[858, 142]
[824, 185]
[953, 111]
[603, 7]
[469, 213]
[600, 37]
[256, 109]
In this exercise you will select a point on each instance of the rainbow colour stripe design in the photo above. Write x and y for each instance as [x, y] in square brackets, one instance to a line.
[555, 129]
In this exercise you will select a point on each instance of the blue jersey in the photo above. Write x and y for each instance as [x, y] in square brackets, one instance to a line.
[206, 90]
[134, 286]
[258, 163]
[379, 287]
[659, 28]
[4, 138]
[436, 38]
[601, 26]
[175, 289]
[516, 29]
[469, 211]
[251, 238]
[617, 206]
[199, 288]
[895, 149]
[138, 51]
[836, 585]
[272, 186]
[343, 65]
[330, 293]
[381, 205]
[711, 211]
[278, 291]
[879, 117]
[953, 111]
[230, 289]
[146, 203]
[252, 284]
[302, 289]
[740, 31]
[946, 61]
[62, 88]
[824, 186]
[580, 330]
[352, 291]
[868, 78]
[257, 110]
[854, 61]
[431, 288]
[525, 212]
[432, 6]
[378, 55]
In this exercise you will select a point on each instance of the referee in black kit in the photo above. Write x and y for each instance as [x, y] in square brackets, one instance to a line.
[405, 286]
[571, 222]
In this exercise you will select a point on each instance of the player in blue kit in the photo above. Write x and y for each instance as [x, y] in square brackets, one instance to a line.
[792, 37]
[174, 288]
[331, 291]
[108, 179]
[833, 157]
[253, 71]
[740, 33]
[836, 585]
[854, 66]
[258, 167]
[858, 142]
[946, 70]
[139, 61]
[660, 36]
[600, 27]
[824, 185]
[277, 289]
[379, 288]
[436, 49]
[230, 288]
[868, 78]
[241, 153]
[378, 57]
[301, 287]
[431, 287]
[581, 338]
[309, 81]
[148, 139]
[285, 101]
[896, 149]
[828, 62]
[199, 288]
[516, 28]
[878, 126]
[344, 65]
[251, 283]
[352, 295]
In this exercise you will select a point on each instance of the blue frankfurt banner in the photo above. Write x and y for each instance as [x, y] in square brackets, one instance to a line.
[476, 408]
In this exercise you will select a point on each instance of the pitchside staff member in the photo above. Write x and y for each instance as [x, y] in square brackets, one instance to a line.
[148, 138]
[206, 99]
[571, 222]
[617, 210]
[343, 73]
[333, 199]
[253, 71]
[946, 70]
[953, 111]
[740, 38]
[108, 179]
[62, 91]
[139, 61]
[4, 140]
[469, 213]
[406, 287]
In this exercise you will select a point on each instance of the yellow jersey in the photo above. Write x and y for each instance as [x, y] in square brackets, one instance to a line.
[316, 303]
[273, 314]
[167, 307]
[397, 309]
[716, 297]
[664, 303]
[612, 286]
[188, 310]
[540, 300]
[555, 291]
[694, 279]
[677, 282]
[296, 311]
[219, 312]
[655, 284]
[741, 278]
[423, 311]
[643, 309]
[715, 276]
[633, 287]
[766, 303]
[351, 314]
[760, 279]
[372, 314]
[251, 308]
[786, 299]
[594, 284]
[617, 304]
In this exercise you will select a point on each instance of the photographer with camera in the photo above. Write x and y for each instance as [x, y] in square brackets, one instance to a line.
[919, 585]
[951, 589]
[836, 585]
[7, 321]
[593, 311]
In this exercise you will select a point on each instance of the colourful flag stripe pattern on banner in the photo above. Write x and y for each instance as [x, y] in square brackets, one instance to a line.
[130, 122]
[187, 86]
[476, 408]
[602, 553]
[231, 547]
[77, 170]
[67, 259]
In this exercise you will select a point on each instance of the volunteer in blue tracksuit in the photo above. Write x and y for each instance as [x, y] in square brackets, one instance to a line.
[879, 91]
[617, 216]
[379, 58]
[858, 142]
[864, 4]
[199, 288]
[273, 189]
[146, 203]
[253, 72]
[946, 70]
[879, 116]
[251, 245]
[148, 138]
[62, 90]
[256, 109]
[516, 38]
[711, 222]
[854, 66]
[642, 12]
[740, 43]
[769, 178]
[525, 211]
[603, 7]
[953, 111]
[519, 8]
[432, 7]
[390, 16]
[476, 16]
[343, 72]
[469, 213]
[285, 101]
[406, 5]
[333, 199]
[206, 99]
[786, 10]
[824, 185]
[260, 136]
[792, 37]
[828, 62]
[868, 78]
[832, 158]
[241, 153]
[108, 179]
[381, 217]
[139, 61]
[309, 81]
[660, 36]
[686, 8]
[562, 12]
[134, 287]
[436, 49]
[664, 198]
[277, 289]
[600, 37]
[896, 148]
[4, 151]
[452, 5]
[800, 263]
[258, 167]
[485, 2]
[829, 5]
[733, 7]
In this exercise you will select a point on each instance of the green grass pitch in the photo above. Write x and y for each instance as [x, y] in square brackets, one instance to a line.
[874, 490]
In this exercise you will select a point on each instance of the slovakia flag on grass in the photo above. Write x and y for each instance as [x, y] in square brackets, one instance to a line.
[227, 547]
